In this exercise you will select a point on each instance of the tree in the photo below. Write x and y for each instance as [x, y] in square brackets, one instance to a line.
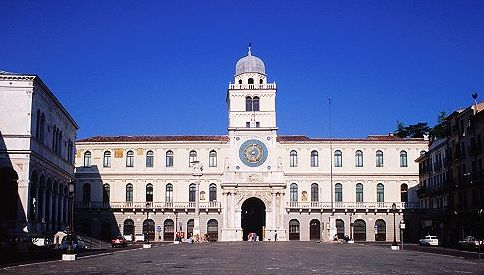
[440, 130]
[418, 130]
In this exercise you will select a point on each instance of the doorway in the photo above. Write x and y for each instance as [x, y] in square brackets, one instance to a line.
[315, 230]
[253, 217]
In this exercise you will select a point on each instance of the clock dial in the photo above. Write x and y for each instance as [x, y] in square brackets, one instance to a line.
[253, 153]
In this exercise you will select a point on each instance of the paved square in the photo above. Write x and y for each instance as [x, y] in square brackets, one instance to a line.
[260, 258]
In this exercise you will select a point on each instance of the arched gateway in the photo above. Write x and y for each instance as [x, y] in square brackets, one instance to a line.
[253, 218]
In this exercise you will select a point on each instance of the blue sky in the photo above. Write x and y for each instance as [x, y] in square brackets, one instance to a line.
[163, 68]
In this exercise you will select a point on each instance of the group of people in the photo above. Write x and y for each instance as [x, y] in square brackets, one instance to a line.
[197, 239]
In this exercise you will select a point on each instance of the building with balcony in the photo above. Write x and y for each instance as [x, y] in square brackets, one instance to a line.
[434, 189]
[466, 174]
[253, 180]
[37, 137]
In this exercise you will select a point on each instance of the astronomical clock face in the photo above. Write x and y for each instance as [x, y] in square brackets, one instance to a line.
[253, 153]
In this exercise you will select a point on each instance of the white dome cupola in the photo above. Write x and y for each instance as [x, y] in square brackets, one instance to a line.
[250, 64]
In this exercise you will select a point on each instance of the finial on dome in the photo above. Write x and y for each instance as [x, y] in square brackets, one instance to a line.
[250, 53]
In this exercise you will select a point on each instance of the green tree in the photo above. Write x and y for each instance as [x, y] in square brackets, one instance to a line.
[440, 130]
[418, 130]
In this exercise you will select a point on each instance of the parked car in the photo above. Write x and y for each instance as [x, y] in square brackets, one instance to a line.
[119, 241]
[77, 243]
[139, 238]
[429, 240]
[469, 242]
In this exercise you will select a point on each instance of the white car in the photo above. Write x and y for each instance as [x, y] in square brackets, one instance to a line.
[429, 240]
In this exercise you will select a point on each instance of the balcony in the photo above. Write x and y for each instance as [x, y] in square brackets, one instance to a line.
[268, 86]
[148, 205]
[349, 205]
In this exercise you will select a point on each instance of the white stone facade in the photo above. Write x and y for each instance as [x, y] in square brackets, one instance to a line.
[292, 187]
[36, 157]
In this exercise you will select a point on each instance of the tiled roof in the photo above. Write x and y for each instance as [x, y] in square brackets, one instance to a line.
[288, 139]
[153, 138]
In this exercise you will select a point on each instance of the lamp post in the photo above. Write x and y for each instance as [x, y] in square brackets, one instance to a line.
[147, 239]
[70, 256]
[394, 244]
[197, 173]
[351, 228]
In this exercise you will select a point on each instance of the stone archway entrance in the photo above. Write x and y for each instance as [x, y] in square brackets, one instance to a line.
[253, 218]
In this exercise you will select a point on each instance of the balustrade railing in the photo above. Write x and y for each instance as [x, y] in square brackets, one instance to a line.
[268, 86]
[149, 205]
[351, 205]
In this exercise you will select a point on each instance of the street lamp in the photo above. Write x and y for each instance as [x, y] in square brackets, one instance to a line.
[146, 226]
[394, 244]
[70, 256]
[197, 173]
[351, 228]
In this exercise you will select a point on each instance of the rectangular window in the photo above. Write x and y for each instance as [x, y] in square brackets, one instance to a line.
[257, 124]
[247, 124]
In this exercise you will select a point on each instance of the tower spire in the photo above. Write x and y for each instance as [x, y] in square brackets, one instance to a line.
[249, 52]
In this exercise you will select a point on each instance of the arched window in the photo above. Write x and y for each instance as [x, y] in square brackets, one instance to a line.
[130, 159]
[169, 158]
[380, 193]
[212, 194]
[37, 125]
[359, 192]
[191, 192]
[240, 81]
[149, 229]
[149, 158]
[338, 192]
[403, 159]
[212, 230]
[340, 228]
[248, 103]
[250, 81]
[192, 157]
[107, 159]
[87, 159]
[293, 192]
[255, 103]
[42, 127]
[128, 228]
[293, 158]
[86, 193]
[359, 159]
[261, 81]
[381, 231]
[106, 193]
[129, 192]
[149, 192]
[404, 193]
[314, 192]
[168, 230]
[54, 140]
[314, 158]
[379, 158]
[294, 230]
[359, 230]
[212, 159]
[190, 225]
[169, 193]
[338, 158]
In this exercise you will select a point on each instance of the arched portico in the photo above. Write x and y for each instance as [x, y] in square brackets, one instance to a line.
[253, 217]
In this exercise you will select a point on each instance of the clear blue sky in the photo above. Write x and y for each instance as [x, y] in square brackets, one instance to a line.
[162, 68]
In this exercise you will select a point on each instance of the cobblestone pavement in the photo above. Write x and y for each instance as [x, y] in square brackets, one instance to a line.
[259, 258]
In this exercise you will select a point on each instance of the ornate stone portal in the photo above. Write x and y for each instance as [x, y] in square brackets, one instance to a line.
[234, 197]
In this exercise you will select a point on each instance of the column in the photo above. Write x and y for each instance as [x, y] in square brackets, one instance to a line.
[225, 210]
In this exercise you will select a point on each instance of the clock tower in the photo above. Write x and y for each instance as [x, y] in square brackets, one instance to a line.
[253, 181]
[251, 102]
